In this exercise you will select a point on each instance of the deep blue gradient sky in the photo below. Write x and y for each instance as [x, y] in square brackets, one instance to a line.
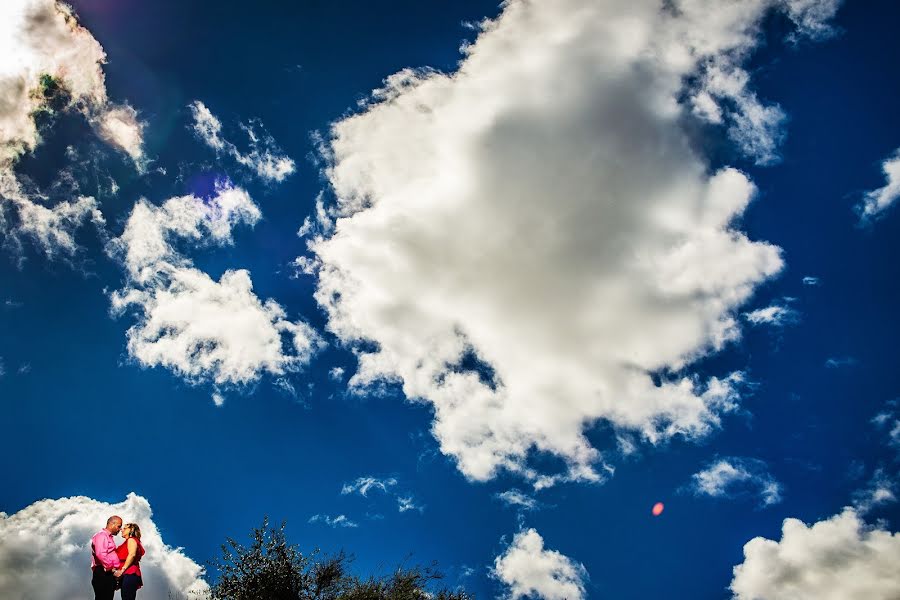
[211, 472]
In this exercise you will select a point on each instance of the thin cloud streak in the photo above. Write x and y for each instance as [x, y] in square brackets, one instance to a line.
[264, 158]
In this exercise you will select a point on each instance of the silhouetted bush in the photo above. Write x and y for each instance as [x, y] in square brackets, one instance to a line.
[271, 569]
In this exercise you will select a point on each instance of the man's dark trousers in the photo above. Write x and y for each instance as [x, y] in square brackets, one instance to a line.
[104, 584]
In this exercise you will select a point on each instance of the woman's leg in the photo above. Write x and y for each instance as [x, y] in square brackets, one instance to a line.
[130, 586]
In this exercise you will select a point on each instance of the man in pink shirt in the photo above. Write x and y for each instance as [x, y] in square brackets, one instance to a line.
[104, 560]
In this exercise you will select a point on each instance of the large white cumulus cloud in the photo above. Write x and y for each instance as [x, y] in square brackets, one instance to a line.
[45, 551]
[203, 329]
[530, 571]
[834, 559]
[542, 210]
[41, 39]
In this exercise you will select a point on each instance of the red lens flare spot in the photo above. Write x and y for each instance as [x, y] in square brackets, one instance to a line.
[657, 509]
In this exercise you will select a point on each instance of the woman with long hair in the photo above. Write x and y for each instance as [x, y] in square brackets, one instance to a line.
[130, 553]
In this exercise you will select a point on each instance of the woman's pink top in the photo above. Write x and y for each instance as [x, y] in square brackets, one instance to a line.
[122, 553]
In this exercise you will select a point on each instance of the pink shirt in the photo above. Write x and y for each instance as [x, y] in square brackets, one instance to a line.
[105, 550]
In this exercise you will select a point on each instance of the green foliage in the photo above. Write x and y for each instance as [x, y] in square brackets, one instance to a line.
[271, 569]
[52, 90]
[404, 584]
[51, 97]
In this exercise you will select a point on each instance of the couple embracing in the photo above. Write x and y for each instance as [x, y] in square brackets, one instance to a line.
[116, 567]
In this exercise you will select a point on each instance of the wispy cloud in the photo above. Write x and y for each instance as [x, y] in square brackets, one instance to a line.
[881, 489]
[516, 499]
[837, 362]
[363, 485]
[288, 388]
[737, 477]
[336, 521]
[322, 222]
[888, 420]
[264, 157]
[877, 201]
[387, 485]
[810, 280]
[776, 315]
[407, 503]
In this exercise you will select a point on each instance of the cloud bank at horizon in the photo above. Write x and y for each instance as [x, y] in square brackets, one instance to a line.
[45, 551]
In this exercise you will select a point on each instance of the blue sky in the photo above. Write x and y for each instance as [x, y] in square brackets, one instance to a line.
[539, 258]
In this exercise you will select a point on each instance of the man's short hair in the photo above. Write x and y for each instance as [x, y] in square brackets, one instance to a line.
[110, 520]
